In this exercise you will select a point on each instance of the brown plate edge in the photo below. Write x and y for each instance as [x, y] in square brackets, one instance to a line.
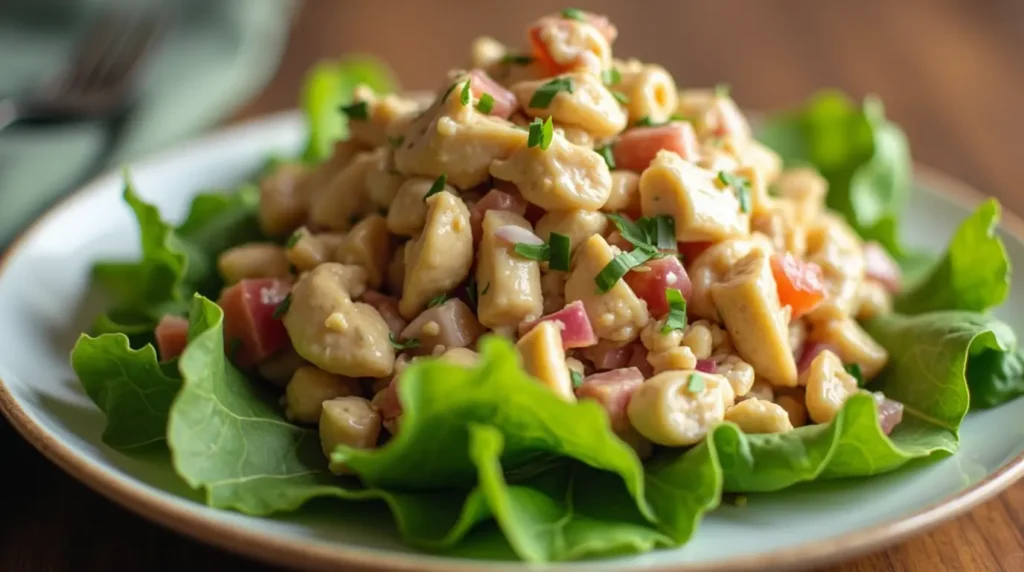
[173, 515]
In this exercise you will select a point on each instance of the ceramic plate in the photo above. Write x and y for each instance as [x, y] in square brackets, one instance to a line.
[45, 302]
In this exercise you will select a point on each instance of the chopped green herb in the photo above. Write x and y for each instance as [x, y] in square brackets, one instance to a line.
[574, 14]
[539, 252]
[437, 300]
[541, 133]
[559, 247]
[620, 265]
[620, 97]
[677, 117]
[293, 239]
[665, 232]
[396, 141]
[630, 230]
[437, 187]
[486, 288]
[542, 97]
[486, 103]
[740, 184]
[577, 378]
[676, 319]
[611, 76]
[645, 121]
[608, 155]
[406, 345]
[854, 370]
[357, 111]
[695, 383]
[517, 59]
[466, 96]
[282, 307]
[722, 90]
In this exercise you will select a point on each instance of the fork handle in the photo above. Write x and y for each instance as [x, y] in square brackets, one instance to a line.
[9, 111]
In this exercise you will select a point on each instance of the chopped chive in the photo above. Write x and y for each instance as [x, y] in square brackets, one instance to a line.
[665, 232]
[406, 345]
[740, 184]
[695, 383]
[574, 14]
[630, 230]
[293, 240]
[466, 96]
[545, 93]
[620, 265]
[437, 300]
[356, 111]
[486, 103]
[743, 194]
[282, 307]
[611, 76]
[676, 319]
[559, 248]
[538, 252]
[517, 59]
[437, 187]
[577, 378]
[722, 90]
[486, 288]
[645, 121]
[620, 97]
[541, 133]
[678, 117]
[396, 141]
[854, 370]
[608, 155]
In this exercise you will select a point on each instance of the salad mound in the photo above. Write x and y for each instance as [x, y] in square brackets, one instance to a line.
[560, 296]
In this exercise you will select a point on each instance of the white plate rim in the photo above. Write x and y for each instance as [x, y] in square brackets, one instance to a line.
[254, 543]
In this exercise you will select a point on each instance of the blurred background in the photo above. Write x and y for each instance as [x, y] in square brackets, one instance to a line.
[951, 72]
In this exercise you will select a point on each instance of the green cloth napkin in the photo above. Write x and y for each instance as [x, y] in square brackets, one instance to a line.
[214, 56]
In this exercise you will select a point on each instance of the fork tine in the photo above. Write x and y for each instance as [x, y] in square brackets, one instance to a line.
[120, 64]
[90, 50]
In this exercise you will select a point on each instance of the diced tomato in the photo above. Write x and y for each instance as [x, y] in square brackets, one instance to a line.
[505, 102]
[637, 147]
[540, 49]
[608, 355]
[691, 250]
[171, 336]
[650, 281]
[388, 308]
[638, 360]
[878, 265]
[612, 390]
[249, 318]
[801, 285]
[572, 321]
[707, 366]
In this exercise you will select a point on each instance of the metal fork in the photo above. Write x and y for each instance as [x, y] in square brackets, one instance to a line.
[97, 83]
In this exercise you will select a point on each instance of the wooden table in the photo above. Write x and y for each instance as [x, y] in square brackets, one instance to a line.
[951, 72]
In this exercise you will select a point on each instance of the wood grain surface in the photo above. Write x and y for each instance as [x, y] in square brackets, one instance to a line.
[950, 72]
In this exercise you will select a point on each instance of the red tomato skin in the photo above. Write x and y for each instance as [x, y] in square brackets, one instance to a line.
[638, 146]
[171, 336]
[249, 308]
[660, 275]
[505, 102]
[800, 284]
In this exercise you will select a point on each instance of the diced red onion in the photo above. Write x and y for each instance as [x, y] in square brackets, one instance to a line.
[890, 412]
[511, 234]
[707, 366]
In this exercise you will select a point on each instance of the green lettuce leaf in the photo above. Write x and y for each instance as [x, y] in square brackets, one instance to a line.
[973, 274]
[132, 389]
[327, 87]
[175, 262]
[864, 157]
[995, 378]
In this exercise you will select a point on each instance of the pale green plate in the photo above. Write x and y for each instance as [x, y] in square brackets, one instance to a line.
[45, 303]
